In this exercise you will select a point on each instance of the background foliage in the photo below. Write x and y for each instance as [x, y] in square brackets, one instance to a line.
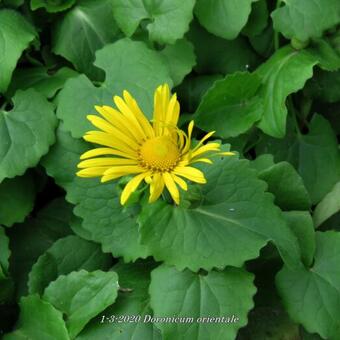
[261, 240]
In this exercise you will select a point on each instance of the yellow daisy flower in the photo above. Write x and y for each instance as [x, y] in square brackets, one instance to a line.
[158, 153]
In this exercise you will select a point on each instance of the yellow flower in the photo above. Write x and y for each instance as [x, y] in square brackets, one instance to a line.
[158, 153]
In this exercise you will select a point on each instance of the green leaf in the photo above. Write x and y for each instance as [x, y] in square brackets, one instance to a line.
[230, 107]
[97, 203]
[92, 22]
[26, 133]
[76, 226]
[58, 214]
[31, 239]
[81, 296]
[61, 161]
[327, 54]
[186, 294]
[7, 288]
[66, 255]
[129, 65]
[13, 3]
[38, 320]
[329, 206]
[106, 220]
[331, 113]
[224, 18]
[308, 336]
[231, 222]
[287, 186]
[4, 254]
[305, 19]
[53, 6]
[135, 301]
[263, 43]
[217, 55]
[63, 157]
[312, 295]
[258, 19]
[314, 155]
[192, 89]
[284, 73]
[76, 100]
[168, 20]
[301, 224]
[262, 162]
[181, 59]
[20, 193]
[15, 35]
[270, 322]
[333, 223]
[325, 86]
[39, 79]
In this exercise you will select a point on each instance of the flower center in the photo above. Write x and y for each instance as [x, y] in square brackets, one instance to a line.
[159, 154]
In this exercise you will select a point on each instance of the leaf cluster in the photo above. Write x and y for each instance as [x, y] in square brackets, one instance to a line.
[260, 240]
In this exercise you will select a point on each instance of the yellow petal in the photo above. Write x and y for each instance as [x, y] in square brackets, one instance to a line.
[106, 161]
[190, 128]
[116, 119]
[104, 151]
[227, 153]
[101, 123]
[184, 162]
[126, 111]
[205, 148]
[126, 169]
[156, 187]
[183, 185]
[116, 135]
[92, 172]
[107, 178]
[132, 104]
[202, 160]
[119, 133]
[131, 186]
[105, 139]
[170, 117]
[161, 101]
[171, 186]
[188, 138]
[157, 113]
[190, 173]
[181, 139]
[175, 114]
[208, 135]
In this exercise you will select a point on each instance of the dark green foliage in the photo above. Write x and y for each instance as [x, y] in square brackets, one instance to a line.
[265, 76]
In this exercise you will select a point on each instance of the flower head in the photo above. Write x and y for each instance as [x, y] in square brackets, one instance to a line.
[156, 152]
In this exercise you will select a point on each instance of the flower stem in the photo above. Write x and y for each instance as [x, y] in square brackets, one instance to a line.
[277, 34]
[293, 112]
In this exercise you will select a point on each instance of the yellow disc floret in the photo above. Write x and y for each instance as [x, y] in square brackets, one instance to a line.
[159, 154]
